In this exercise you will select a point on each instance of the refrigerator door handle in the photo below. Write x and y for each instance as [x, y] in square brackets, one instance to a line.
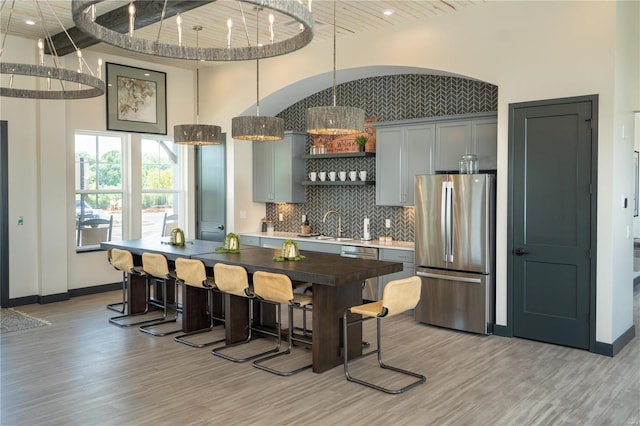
[449, 202]
[449, 277]
[443, 221]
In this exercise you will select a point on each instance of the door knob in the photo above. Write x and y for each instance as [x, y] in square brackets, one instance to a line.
[519, 251]
[221, 227]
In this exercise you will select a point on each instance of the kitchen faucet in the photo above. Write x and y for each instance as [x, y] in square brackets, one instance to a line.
[324, 220]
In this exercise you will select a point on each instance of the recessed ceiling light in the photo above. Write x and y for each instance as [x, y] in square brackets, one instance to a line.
[388, 12]
[29, 22]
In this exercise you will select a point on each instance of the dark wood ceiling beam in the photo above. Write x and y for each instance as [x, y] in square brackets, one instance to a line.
[147, 12]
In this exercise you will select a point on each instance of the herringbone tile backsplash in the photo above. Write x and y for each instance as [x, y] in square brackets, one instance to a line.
[388, 98]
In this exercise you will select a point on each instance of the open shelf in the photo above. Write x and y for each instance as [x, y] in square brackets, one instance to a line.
[338, 182]
[339, 155]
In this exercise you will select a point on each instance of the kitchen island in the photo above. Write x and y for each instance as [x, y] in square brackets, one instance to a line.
[336, 284]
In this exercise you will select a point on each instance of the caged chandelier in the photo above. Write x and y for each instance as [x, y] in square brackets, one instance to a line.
[84, 16]
[59, 82]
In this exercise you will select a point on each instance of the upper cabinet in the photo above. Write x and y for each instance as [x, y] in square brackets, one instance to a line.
[278, 169]
[454, 138]
[427, 146]
[403, 150]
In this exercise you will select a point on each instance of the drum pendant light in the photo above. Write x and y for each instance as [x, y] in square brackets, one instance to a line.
[334, 120]
[197, 134]
[257, 127]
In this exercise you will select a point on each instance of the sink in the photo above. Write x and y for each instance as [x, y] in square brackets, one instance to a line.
[324, 237]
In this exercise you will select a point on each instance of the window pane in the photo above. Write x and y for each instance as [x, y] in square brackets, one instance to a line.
[155, 207]
[85, 161]
[160, 186]
[98, 213]
[159, 165]
[109, 173]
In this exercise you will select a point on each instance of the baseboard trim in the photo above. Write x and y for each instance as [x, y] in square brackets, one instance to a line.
[85, 291]
[20, 301]
[612, 349]
[501, 330]
[52, 298]
[60, 297]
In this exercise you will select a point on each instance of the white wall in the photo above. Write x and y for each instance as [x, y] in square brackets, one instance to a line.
[531, 51]
[24, 271]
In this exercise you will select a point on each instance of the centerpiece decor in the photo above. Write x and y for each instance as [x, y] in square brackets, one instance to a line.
[177, 237]
[289, 252]
[231, 244]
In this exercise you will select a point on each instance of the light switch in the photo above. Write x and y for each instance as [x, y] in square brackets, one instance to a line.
[280, 217]
[387, 223]
[20, 220]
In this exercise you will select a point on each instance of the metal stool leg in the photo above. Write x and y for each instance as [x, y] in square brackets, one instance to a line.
[218, 351]
[123, 304]
[162, 320]
[182, 338]
[259, 362]
[378, 351]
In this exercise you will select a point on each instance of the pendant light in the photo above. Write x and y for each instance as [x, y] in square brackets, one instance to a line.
[334, 120]
[257, 127]
[197, 134]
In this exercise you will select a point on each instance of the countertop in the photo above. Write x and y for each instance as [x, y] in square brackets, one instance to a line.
[399, 245]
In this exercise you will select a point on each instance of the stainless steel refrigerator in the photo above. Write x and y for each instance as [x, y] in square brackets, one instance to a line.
[455, 250]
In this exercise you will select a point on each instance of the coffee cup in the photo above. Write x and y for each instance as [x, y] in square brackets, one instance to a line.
[322, 176]
[363, 175]
[313, 176]
[332, 176]
[342, 176]
[353, 175]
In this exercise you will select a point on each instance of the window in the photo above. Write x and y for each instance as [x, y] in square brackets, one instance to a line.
[98, 189]
[160, 177]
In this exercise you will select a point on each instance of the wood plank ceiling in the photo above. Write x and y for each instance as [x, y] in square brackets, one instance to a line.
[352, 17]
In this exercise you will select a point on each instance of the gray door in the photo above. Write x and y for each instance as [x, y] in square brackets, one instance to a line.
[552, 217]
[211, 194]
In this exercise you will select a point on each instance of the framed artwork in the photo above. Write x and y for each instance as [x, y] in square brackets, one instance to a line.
[636, 177]
[136, 99]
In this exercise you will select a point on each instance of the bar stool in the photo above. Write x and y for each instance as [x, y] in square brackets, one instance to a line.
[157, 269]
[123, 304]
[399, 296]
[278, 289]
[122, 260]
[233, 280]
[193, 273]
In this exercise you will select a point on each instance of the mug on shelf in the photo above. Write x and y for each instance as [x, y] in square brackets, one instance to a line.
[313, 176]
[353, 175]
[342, 176]
[322, 176]
[363, 175]
[332, 176]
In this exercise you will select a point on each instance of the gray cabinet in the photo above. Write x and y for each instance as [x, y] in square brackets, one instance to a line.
[395, 255]
[278, 169]
[454, 138]
[403, 150]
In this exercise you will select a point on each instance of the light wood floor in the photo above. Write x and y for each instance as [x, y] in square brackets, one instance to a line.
[82, 371]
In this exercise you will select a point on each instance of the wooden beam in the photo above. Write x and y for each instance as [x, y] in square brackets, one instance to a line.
[147, 12]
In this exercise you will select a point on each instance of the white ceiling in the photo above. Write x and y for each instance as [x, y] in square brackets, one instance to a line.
[352, 16]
